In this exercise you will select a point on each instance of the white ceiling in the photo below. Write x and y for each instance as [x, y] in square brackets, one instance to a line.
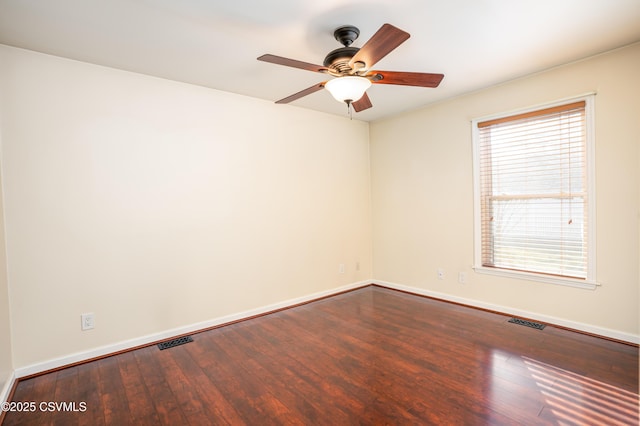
[215, 43]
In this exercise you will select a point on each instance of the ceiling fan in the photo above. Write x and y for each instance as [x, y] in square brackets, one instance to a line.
[351, 67]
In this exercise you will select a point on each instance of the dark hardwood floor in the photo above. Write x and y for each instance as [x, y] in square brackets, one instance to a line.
[371, 356]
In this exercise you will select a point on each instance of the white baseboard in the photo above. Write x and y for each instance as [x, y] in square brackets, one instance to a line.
[155, 337]
[587, 328]
[6, 389]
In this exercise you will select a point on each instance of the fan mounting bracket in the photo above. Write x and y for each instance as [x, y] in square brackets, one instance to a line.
[346, 34]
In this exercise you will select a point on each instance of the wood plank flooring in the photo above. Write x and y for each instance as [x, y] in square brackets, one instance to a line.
[371, 356]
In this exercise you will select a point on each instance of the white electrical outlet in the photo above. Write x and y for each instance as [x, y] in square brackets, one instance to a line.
[441, 274]
[462, 277]
[341, 268]
[87, 321]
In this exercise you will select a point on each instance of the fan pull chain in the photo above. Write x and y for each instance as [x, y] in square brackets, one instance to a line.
[349, 110]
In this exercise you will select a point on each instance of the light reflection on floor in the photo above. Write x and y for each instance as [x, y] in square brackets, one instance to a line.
[576, 399]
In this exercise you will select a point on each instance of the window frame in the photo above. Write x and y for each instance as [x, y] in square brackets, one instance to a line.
[590, 281]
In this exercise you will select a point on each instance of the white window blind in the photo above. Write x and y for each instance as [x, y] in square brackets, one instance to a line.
[533, 192]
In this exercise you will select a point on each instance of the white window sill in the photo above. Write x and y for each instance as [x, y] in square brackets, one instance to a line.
[549, 279]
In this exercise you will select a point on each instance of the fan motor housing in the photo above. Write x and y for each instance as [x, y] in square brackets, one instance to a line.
[338, 59]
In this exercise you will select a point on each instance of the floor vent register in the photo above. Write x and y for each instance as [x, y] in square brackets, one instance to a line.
[526, 323]
[175, 342]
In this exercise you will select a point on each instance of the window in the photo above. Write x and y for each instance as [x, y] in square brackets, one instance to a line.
[534, 194]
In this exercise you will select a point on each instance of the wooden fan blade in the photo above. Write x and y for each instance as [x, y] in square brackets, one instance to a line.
[406, 78]
[379, 45]
[279, 60]
[302, 93]
[363, 103]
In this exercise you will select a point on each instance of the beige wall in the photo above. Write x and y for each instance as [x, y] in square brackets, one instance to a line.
[422, 194]
[6, 363]
[155, 204]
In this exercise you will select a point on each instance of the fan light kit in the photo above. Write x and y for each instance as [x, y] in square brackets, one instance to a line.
[351, 67]
[348, 89]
